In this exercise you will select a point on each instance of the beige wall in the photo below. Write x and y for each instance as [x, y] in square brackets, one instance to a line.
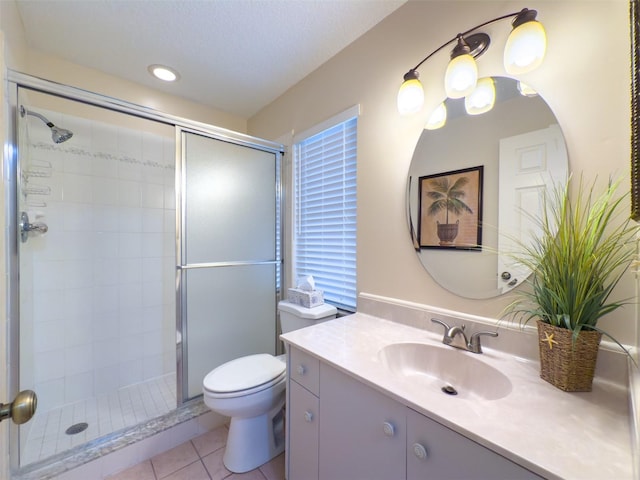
[585, 80]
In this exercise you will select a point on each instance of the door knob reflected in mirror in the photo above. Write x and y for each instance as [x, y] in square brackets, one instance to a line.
[21, 409]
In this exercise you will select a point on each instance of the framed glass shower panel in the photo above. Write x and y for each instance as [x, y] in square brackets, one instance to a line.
[228, 273]
[230, 202]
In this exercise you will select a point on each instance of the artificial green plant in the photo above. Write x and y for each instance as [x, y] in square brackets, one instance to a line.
[580, 253]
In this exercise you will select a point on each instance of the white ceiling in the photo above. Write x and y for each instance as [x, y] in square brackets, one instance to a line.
[233, 55]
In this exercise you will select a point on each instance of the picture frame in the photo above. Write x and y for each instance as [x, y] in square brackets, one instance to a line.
[450, 210]
[634, 22]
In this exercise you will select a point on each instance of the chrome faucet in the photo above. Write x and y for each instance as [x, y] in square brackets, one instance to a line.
[457, 338]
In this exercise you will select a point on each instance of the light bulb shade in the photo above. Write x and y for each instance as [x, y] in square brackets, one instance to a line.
[526, 90]
[482, 99]
[438, 118]
[410, 95]
[461, 76]
[525, 48]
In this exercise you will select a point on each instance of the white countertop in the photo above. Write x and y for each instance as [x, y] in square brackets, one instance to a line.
[552, 433]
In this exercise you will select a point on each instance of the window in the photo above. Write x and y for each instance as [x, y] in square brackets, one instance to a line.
[325, 209]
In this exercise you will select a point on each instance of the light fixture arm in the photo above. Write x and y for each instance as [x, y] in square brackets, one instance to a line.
[523, 15]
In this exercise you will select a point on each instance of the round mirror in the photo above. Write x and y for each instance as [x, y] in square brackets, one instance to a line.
[470, 180]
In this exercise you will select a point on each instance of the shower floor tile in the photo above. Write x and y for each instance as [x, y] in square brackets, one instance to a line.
[104, 414]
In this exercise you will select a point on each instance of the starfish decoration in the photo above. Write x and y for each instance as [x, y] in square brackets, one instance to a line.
[549, 338]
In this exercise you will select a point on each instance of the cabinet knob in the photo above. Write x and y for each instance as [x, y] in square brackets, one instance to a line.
[420, 451]
[389, 429]
[308, 416]
[301, 370]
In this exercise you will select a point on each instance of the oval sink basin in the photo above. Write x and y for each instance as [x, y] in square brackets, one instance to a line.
[453, 371]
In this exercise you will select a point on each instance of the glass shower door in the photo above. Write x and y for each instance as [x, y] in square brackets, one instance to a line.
[228, 270]
[96, 276]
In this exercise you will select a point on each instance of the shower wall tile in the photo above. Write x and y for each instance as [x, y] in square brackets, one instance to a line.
[47, 306]
[107, 379]
[129, 193]
[105, 191]
[49, 336]
[130, 245]
[104, 274]
[50, 394]
[102, 166]
[49, 365]
[78, 387]
[130, 270]
[153, 220]
[78, 359]
[77, 188]
[105, 301]
[127, 170]
[77, 217]
[105, 218]
[106, 353]
[77, 330]
[78, 164]
[131, 372]
[153, 245]
[169, 196]
[152, 196]
[152, 293]
[77, 273]
[103, 327]
[77, 246]
[152, 269]
[130, 219]
[46, 275]
[106, 244]
[104, 138]
[78, 302]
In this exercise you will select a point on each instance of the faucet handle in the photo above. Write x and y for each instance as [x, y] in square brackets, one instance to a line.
[446, 327]
[474, 343]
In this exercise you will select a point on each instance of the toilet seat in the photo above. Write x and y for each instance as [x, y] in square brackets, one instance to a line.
[245, 375]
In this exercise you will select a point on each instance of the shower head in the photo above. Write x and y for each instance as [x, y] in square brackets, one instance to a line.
[58, 134]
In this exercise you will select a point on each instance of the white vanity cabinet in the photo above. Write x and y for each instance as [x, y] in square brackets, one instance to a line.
[302, 415]
[435, 451]
[362, 431]
[341, 429]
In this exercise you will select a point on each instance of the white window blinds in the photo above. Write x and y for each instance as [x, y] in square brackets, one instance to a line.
[325, 212]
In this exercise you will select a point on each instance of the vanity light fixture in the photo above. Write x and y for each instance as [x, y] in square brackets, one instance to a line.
[462, 72]
[482, 99]
[526, 90]
[438, 118]
[524, 51]
[163, 72]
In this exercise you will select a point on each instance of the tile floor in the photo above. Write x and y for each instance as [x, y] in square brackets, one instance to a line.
[199, 459]
[104, 413]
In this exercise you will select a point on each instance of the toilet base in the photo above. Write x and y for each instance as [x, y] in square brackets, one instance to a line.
[254, 441]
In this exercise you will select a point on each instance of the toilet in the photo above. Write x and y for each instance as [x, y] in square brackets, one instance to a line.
[251, 390]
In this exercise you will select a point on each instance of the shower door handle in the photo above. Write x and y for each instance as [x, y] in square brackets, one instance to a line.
[21, 409]
[26, 227]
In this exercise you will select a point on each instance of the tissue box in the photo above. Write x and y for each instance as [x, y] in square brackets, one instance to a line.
[305, 298]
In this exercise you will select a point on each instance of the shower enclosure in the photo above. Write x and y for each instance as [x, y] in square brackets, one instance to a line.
[145, 254]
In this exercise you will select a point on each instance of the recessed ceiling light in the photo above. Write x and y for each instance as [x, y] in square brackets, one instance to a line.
[164, 73]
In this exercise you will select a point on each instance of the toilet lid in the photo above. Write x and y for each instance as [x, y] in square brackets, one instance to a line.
[244, 373]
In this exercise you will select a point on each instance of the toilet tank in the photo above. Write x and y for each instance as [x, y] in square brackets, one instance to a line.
[293, 317]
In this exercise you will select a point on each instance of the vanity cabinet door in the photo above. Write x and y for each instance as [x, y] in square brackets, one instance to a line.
[362, 432]
[437, 452]
[303, 430]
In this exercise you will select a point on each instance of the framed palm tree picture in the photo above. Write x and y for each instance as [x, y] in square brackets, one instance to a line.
[451, 210]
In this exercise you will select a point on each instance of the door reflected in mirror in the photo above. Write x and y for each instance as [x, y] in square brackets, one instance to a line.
[520, 148]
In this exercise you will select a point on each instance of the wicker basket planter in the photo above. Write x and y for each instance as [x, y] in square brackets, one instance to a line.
[566, 365]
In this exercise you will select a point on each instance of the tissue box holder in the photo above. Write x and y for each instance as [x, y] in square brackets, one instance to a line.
[305, 298]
